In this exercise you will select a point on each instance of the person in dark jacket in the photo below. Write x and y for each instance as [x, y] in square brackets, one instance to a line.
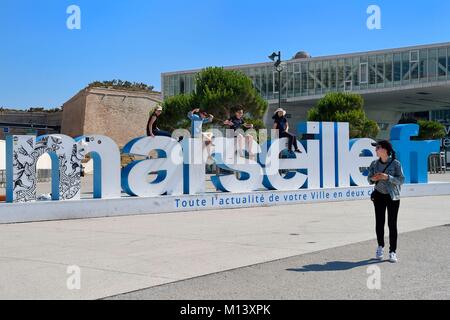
[280, 123]
[387, 175]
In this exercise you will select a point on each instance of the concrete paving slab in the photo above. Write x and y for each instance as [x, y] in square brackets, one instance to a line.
[122, 254]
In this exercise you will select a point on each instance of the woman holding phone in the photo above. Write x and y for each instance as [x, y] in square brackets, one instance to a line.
[387, 175]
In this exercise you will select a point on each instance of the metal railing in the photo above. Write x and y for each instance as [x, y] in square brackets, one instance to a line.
[437, 163]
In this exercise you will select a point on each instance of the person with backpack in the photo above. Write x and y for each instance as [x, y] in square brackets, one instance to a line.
[387, 175]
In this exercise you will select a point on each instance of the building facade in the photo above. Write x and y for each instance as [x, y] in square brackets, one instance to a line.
[392, 81]
[121, 115]
[29, 122]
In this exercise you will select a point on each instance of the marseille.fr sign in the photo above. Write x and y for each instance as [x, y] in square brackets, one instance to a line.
[328, 160]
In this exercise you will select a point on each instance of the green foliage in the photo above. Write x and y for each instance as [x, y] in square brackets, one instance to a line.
[120, 84]
[174, 115]
[219, 91]
[257, 123]
[345, 107]
[430, 130]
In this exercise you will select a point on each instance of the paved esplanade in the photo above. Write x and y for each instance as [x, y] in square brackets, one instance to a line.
[338, 273]
[123, 254]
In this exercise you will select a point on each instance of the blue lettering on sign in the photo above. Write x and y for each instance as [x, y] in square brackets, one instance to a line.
[328, 160]
[413, 155]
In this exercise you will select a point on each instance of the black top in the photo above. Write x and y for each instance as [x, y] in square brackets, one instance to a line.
[237, 123]
[281, 123]
[154, 127]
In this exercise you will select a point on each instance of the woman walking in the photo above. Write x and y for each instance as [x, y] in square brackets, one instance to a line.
[387, 175]
[282, 125]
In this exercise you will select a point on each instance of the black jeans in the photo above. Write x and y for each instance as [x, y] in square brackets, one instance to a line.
[158, 132]
[381, 203]
[292, 139]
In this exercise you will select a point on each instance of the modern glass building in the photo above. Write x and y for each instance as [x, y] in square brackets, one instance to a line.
[392, 81]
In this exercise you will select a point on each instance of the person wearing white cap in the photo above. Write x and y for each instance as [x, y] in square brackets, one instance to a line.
[152, 128]
[282, 125]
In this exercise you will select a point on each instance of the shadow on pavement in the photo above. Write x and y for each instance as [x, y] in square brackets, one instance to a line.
[336, 265]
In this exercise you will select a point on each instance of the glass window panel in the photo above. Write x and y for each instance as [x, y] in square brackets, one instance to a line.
[380, 69]
[297, 84]
[397, 67]
[432, 64]
[326, 75]
[181, 85]
[333, 75]
[263, 83]
[414, 56]
[348, 69]
[388, 68]
[355, 71]
[442, 63]
[311, 81]
[270, 84]
[414, 70]
[304, 78]
[318, 77]
[257, 79]
[188, 83]
[423, 64]
[286, 80]
[291, 81]
[405, 67]
[448, 62]
[364, 72]
[276, 83]
[340, 81]
[372, 68]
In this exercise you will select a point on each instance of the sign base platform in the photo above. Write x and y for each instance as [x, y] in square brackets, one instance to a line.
[97, 208]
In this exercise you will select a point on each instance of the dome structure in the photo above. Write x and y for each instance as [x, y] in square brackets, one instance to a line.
[301, 55]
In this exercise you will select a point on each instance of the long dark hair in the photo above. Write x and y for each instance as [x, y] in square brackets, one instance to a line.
[388, 147]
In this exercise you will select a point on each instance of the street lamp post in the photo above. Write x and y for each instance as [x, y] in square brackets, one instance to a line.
[279, 69]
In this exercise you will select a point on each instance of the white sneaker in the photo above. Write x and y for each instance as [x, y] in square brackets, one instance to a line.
[379, 254]
[393, 257]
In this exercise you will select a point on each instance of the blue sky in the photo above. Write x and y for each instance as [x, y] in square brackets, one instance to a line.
[43, 63]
